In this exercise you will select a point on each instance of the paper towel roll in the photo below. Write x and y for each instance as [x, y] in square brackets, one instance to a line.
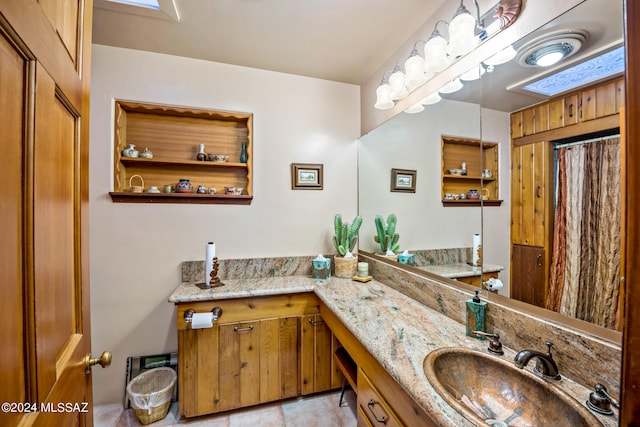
[202, 320]
[477, 250]
[210, 254]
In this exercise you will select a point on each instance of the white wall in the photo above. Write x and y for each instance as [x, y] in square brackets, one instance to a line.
[136, 249]
[413, 141]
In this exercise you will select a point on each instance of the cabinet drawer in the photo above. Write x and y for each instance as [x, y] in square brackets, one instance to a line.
[373, 405]
[253, 308]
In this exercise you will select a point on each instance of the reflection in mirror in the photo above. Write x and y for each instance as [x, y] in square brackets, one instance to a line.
[483, 110]
[436, 222]
[565, 217]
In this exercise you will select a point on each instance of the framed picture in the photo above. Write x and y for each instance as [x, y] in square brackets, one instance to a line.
[306, 176]
[403, 180]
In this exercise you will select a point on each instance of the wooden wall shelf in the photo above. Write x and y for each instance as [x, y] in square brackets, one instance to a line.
[173, 135]
[195, 198]
[477, 156]
[461, 203]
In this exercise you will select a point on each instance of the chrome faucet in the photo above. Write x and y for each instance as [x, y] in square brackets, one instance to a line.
[545, 365]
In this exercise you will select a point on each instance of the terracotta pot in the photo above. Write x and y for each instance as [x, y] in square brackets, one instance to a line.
[345, 267]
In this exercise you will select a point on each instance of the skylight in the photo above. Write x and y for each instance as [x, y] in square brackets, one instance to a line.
[597, 68]
[150, 4]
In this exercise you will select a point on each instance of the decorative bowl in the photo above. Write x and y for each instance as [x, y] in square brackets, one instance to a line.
[455, 171]
[217, 157]
[234, 191]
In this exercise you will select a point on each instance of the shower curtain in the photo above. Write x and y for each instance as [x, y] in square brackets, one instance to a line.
[585, 261]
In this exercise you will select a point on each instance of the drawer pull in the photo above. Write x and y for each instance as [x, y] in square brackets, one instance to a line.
[382, 419]
[314, 322]
[236, 329]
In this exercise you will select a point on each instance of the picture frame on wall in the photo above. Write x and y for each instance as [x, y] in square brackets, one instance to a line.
[403, 180]
[306, 176]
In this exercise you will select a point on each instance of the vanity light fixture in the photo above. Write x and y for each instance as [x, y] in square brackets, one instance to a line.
[416, 108]
[462, 36]
[414, 69]
[383, 100]
[435, 52]
[451, 87]
[502, 57]
[397, 82]
[434, 98]
[474, 73]
[465, 33]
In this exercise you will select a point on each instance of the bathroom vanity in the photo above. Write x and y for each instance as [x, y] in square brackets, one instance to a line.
[376, 335]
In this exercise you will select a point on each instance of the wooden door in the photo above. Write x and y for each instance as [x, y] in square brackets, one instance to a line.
[532, 194]
[44, 115]
[528, 274]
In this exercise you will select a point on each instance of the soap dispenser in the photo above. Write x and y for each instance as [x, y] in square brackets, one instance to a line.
[476, 314]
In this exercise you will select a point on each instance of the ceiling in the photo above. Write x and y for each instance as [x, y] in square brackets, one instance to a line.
[340, 40]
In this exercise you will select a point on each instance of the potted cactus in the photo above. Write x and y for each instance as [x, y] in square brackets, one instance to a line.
[386, 235]
[344, 240]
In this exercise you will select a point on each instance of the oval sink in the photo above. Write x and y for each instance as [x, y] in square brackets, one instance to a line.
[489, 390]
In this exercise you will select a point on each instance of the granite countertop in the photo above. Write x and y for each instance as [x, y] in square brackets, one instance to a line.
[241, 288]
[397, 330]
[453, 271]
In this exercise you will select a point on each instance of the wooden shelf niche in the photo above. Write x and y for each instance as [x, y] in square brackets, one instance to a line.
[477, 155]
[173, 135]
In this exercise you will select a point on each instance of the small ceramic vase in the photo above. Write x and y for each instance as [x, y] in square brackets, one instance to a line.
[153, 189]
[244, 157]
[473, 195]
[201, 189]
[130, 151]
[202, 156]
[184, 186]
[146, 154]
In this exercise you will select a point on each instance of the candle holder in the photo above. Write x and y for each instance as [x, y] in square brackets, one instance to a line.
[213, 281]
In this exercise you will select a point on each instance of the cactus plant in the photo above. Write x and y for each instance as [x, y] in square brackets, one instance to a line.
[346, 236]
[386, 234]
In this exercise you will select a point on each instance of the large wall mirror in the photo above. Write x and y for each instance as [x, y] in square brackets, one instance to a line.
[441, 233]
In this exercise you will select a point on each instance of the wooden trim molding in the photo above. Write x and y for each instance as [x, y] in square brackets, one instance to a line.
[582, 128]
[630, 381]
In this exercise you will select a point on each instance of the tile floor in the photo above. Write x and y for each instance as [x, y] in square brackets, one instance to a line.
[310, 411]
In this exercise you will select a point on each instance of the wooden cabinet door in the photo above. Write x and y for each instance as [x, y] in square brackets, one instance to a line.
[588, 104]
[237, 364]
[606, 103]
[44, 116]
[239, 369]
[571, 109]
[556, 113]
[528, 274]
[531, 193]
[317, 355]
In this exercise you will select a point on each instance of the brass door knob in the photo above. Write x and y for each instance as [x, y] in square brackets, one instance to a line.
[104, 360]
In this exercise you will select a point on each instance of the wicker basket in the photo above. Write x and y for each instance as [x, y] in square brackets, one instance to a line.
[136, 188]
[150, 394]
